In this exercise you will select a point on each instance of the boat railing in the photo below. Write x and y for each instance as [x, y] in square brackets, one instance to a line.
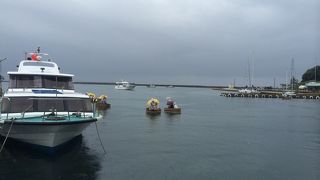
[51, 114]
[23, 113]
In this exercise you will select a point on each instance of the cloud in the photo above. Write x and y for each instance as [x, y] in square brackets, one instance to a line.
[151, 38]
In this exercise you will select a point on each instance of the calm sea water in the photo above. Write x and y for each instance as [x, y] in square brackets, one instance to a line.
[214, 138]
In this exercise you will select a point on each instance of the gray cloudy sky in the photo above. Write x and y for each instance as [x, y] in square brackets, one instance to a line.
[159, 41]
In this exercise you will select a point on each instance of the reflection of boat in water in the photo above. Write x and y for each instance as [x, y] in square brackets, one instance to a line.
[124, 85]
[41, 106]
[172, 107]
[74, 161]
[153, 106]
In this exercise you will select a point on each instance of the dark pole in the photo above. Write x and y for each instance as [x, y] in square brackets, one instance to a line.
[1, 77]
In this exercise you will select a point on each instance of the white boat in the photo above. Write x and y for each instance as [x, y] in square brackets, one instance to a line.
[248, 91]
[151, 86]
[124, 85]
[288, 94]
[41, 106]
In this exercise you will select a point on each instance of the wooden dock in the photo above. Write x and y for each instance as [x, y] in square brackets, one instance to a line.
[315, 96]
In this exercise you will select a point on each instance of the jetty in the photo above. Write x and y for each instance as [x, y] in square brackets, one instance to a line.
[271, 95]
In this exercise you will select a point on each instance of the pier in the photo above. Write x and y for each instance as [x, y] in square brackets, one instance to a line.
[271, 95]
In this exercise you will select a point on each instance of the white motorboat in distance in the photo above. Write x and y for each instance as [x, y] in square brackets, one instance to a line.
[124, 85]
[41, 106]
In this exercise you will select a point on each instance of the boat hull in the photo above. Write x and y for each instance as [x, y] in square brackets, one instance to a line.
[102, 106]
[172, 110]
[44, 134]
[153, 112]
[124, 88]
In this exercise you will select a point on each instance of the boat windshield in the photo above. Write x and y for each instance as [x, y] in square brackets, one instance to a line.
[37, 81]
[27, 104]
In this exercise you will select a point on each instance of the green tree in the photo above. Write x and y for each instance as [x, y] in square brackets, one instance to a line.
[309, 75]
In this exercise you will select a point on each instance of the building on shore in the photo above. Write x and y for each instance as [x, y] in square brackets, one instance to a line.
[313, 86]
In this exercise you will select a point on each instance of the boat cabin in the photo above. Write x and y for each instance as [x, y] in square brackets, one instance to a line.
[39, 74]
[38, 86]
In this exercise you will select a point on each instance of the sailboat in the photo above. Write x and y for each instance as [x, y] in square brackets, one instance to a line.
[290, 93]
[250, 89]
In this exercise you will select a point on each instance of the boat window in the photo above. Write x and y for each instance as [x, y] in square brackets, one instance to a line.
[25, 104]
[65, 83]
[49, 81]
[33, 63]
[34, 81]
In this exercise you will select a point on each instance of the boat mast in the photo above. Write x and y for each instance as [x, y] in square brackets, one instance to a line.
[249, 73]
[315, 71]
[292, 74]
[286, 80]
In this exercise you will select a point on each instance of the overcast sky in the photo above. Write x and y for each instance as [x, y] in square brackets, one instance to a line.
[159, 41]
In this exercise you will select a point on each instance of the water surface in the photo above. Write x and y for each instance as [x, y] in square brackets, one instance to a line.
[214, 138]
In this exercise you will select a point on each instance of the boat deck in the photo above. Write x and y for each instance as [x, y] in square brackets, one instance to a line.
[52, 119]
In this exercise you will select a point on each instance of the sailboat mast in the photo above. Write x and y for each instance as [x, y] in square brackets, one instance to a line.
[292, 74]
[249, 73]
[286, 80]
[315, 71]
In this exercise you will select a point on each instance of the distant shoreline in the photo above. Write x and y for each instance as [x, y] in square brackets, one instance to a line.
[157, 85]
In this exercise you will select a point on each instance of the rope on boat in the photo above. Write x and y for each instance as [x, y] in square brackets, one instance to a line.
[5, 140]
[104, 150]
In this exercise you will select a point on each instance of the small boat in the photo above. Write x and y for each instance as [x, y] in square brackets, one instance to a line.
[172, 110]
[124, 85]
[153, 106]
[248, 91]
[172, 107]
[100, 102]
[151, 86]
[153, 111]
[103, 106]
[41, 106]
[288, 95]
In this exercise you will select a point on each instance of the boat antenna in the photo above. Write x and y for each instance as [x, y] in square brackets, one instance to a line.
[38, 49]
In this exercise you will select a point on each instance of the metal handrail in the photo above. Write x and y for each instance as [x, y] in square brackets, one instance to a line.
[26, 110]
[68, 112]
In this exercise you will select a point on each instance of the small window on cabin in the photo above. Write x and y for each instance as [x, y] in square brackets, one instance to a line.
[36, 63]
